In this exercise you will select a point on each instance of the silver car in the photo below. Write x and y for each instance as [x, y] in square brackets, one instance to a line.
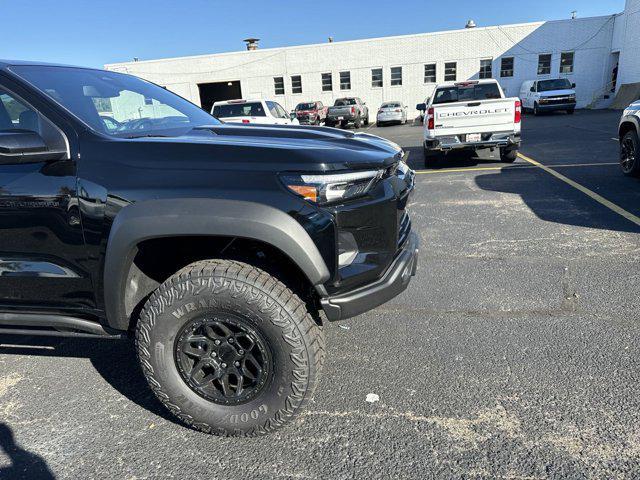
[392, 112]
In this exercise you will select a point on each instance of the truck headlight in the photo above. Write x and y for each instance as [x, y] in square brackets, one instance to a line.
[332, 187]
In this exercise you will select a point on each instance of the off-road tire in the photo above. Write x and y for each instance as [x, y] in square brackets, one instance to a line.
[508, 155]
[295, 342]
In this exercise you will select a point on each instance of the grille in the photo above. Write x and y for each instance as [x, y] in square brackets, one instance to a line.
[558, 100]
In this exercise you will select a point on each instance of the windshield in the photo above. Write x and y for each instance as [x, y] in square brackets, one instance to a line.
[558, 84]
[116, 104]
[390, 105]
[247, 109]
[306, 106]
[343, 102]
[466, 93]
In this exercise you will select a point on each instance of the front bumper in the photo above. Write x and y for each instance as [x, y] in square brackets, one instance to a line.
[392, 283]
[547, 107]
[458, 142]
[307, 119]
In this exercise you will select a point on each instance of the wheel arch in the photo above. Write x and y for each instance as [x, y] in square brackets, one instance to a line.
[181, 218]
[628, 123]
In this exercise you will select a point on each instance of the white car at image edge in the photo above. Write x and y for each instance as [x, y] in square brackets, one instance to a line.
[265, 112]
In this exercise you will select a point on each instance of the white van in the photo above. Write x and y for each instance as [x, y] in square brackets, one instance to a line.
[260, 111]
[547, 95]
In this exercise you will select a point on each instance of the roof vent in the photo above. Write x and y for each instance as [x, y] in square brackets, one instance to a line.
[470, 24]
[252, 43]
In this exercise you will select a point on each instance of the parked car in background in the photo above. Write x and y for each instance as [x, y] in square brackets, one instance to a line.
[392, 112]
[629, 133]
[470, 116]
[311, 113]
[348, 110]
[252, 111]
[548, 95]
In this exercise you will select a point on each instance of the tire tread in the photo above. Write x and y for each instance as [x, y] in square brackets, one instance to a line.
[298, 329]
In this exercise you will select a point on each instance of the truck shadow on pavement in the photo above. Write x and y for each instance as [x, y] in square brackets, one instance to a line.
[554, 201]
[114, 360]
[24, 464]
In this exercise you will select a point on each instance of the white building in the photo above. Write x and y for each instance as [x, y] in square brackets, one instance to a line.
[406, 68]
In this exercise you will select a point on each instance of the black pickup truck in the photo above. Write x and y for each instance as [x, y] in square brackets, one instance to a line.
[126, 211]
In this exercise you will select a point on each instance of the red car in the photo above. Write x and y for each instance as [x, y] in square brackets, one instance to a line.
[311, 113]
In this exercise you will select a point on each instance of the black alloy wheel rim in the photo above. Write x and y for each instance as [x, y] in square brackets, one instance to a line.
[627, 154]
[223, 359]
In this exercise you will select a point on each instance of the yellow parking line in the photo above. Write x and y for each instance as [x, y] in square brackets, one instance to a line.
[598, 198]
[514, 167]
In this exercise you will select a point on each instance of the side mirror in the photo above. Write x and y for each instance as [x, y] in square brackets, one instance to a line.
[532, 89]
[422, 107]
[24, 146]
[573, 85]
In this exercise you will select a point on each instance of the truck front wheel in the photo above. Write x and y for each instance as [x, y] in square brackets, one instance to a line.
[229, 349]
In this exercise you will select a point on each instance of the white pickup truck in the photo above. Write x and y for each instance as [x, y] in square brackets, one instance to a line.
[470, 115]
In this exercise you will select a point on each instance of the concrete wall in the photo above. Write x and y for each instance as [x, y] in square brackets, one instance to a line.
[590, 38]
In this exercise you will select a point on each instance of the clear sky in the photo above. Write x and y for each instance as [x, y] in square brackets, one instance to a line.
[95, 32]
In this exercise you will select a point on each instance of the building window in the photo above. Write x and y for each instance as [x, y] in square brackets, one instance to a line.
[430, 73]
[506, 67]
[327, 82]
[566, 62]
[485, 68]
[278, 83]
[296, 84]
[345, 80]
[396, 76]
[544, 64]
[376, 77]
[450, 71]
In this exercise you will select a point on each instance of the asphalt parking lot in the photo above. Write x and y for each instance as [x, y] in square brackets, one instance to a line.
[514, 353]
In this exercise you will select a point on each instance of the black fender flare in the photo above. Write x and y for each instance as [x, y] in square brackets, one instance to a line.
[150, 219]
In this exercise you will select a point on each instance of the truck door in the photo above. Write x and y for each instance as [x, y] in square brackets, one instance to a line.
[41, 243]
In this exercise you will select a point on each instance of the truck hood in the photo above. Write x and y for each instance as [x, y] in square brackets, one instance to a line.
[280, 147]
